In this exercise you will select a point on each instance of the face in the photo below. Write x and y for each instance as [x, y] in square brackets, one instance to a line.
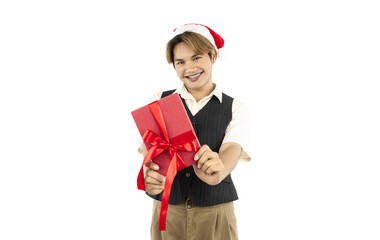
[192, 69]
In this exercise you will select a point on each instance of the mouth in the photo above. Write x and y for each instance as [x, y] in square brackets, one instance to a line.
[193, 78]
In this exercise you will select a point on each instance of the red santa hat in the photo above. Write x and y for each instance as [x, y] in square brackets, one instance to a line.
[205, 31]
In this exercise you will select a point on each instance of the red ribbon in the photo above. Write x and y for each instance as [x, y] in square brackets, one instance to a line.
[185, 142]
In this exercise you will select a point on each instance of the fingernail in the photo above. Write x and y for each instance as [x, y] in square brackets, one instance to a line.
[164, 179]
[156, 167]
[196, 157]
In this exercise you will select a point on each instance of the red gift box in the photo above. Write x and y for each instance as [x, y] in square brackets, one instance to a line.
[170, 139]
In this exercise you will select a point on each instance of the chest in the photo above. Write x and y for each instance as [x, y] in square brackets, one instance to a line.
[210, 122]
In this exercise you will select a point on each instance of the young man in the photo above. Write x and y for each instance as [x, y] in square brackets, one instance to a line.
[202, 195]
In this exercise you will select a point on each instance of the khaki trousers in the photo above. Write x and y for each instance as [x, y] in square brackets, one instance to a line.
[186, 221]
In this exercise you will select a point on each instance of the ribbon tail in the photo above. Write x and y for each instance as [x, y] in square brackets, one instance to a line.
[140, 177]
[180, 163]
[172, 171]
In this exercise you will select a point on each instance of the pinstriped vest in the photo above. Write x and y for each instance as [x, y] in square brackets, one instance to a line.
[210, 125]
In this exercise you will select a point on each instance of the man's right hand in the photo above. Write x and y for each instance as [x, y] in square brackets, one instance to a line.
[154, 182]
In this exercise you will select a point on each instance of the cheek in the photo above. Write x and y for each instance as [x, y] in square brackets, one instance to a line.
[207, 65]
[207, 68]
[179, 72]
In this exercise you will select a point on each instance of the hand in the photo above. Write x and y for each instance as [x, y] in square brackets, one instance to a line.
[154, 182]
[209, 167]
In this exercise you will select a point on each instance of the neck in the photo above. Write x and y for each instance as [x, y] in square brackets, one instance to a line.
[198, 94]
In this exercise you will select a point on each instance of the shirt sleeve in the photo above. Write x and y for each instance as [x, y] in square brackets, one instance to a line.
[154, 97]
[238, 131]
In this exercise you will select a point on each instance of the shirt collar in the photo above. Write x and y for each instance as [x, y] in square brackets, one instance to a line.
[186, 95]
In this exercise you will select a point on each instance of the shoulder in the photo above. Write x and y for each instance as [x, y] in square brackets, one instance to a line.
[240, 106]
[154, 97]
[158, 95]
[237, 104]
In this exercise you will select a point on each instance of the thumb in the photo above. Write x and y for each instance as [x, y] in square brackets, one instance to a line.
[152, 165]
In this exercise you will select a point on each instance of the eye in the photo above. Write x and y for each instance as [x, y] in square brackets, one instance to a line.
[180, 62]
[197, 58]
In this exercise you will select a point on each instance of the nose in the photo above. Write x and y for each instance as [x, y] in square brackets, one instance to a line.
[190, 67]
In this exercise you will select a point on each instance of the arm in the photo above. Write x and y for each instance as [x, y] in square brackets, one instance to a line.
[213, 167]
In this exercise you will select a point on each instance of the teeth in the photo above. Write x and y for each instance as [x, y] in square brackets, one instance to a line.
[194, 76]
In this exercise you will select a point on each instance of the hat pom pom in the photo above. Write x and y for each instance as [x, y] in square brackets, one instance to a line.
[221, 53]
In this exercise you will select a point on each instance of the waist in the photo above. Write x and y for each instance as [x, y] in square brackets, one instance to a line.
[187, 204]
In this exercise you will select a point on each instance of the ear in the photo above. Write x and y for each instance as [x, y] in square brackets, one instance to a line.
[214, 55]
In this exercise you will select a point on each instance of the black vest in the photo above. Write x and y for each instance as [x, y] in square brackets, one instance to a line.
[210, 125]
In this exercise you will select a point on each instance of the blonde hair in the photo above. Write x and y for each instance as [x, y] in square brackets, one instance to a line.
[199, 44]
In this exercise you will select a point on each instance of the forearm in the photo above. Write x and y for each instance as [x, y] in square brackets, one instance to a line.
[229, 153]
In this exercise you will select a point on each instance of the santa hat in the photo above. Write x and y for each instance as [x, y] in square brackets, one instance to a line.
[205, 31]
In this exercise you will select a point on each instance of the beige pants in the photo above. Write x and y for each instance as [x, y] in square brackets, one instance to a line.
[186, 221]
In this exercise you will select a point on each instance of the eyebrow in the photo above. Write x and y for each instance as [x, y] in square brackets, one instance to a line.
[179, 60]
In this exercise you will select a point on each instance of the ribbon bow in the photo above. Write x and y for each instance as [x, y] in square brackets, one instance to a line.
[184, 142]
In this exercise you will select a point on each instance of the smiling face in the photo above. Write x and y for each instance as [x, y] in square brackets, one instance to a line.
[193, 69]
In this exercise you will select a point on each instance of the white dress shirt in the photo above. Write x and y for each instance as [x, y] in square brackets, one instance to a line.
[238, 129]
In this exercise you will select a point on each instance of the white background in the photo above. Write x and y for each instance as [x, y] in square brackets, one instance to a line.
[72, 71]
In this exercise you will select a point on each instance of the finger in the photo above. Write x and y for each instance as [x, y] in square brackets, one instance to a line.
[154, 189]
[151, 186]
[200, 152]
[155, 175]
[207, 164]
[208, 154]
[214, 166]
[150, 180]
[152, 165]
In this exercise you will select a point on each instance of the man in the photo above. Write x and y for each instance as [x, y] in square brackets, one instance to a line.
[202, 195]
